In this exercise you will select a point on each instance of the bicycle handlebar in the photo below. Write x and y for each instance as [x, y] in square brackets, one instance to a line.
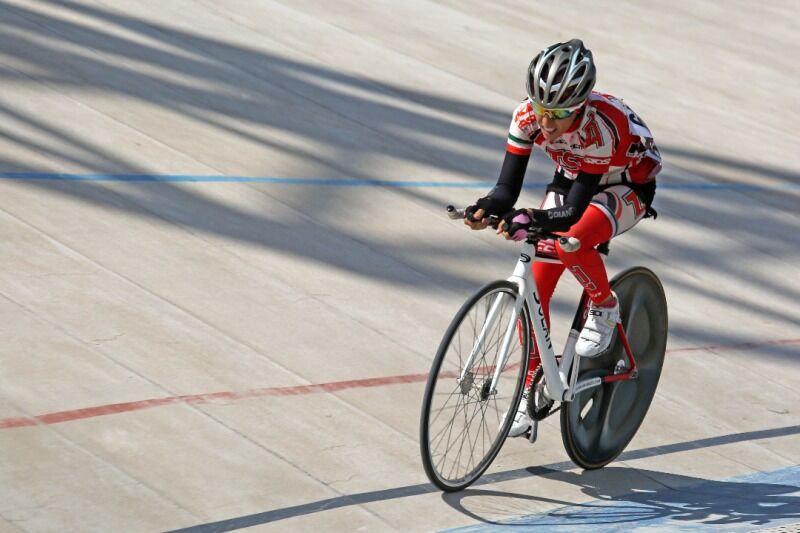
[569, 244]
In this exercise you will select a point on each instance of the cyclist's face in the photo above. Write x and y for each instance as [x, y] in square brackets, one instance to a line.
[553, 128]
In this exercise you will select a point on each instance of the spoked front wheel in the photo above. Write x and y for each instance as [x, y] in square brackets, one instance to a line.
[600, 422]
[463, 423]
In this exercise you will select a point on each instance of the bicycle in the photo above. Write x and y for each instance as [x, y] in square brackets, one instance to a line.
[603, 400]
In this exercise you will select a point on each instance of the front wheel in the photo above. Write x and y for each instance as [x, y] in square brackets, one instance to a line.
[600, 422]
[463, 423]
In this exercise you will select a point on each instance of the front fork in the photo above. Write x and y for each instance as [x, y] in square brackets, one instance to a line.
[504, 348]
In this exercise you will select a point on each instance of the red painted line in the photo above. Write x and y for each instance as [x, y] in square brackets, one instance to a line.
[297, 390]
[193, 399]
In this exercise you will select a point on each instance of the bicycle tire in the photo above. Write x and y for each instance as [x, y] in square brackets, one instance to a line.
[599, 423]
[472, 392]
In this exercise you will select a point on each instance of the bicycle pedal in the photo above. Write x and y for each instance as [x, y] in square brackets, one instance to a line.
[534, 432]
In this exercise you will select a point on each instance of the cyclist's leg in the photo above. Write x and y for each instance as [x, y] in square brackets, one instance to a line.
[611, 213]
[586, 264]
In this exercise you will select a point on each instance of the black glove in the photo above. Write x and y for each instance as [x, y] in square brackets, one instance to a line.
[490, 206]
[518, 223]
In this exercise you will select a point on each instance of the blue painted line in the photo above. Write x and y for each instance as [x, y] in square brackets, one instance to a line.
[332, 182]
[728, 186]
[738, 504]
[327, 182]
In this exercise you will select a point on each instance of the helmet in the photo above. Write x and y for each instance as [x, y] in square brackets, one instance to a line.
[561, 75]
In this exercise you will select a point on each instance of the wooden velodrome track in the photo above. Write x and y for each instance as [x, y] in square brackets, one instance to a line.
[226, 266]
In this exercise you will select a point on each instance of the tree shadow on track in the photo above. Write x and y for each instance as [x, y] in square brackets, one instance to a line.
[562, 469]
[635, 496]
[228, 96]
[248, 89]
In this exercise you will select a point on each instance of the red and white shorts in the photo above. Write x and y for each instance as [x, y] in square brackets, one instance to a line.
[619, 203]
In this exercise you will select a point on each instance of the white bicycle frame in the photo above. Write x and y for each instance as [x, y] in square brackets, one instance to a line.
[560, 377]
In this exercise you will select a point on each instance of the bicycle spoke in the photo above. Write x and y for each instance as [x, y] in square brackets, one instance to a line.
[455, 393]
[464, 404]
[456, 410]
[480, 408]
[464, 431]
[447, 446]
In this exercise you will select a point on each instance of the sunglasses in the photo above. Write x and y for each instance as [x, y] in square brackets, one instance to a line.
[557, 114]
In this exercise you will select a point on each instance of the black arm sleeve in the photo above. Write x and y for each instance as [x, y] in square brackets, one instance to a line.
[502, 198]
[577, 200]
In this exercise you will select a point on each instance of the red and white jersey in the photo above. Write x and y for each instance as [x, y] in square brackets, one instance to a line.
[608, 138]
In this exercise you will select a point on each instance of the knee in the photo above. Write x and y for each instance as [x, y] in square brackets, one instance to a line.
[565, 256]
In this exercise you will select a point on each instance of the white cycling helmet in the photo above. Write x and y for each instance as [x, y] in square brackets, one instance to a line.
[561, 75]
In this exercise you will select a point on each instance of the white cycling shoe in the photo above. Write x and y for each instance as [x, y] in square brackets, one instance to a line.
[522, 422]
[598, 331]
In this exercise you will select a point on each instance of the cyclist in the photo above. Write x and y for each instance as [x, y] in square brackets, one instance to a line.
[606, 164]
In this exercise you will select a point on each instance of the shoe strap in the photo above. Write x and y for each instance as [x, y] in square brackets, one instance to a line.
[609, 313]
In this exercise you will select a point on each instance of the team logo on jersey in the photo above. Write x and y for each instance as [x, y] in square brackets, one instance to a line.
[590, 134]
[524, 117]
[569, 160]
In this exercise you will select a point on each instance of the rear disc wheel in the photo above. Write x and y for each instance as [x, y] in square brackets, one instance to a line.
[598, 423]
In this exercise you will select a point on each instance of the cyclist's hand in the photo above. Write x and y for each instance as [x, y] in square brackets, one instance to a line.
[475, 217]
[515, 224]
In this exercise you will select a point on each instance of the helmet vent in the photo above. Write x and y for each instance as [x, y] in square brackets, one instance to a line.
[562, 75]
